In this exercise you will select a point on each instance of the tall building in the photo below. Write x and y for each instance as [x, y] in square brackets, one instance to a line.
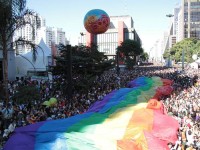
[186, 22]
[59, 36]
[41, 31]
[189, 19]
[29, 32]
[51, 34]
[120, 29]
[170, 37]
[180, 28]
[175, 19]
[41, 22]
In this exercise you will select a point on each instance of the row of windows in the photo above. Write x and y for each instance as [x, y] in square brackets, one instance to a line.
[112, 37]
[108, 48]
[193, 2]
[195, 13]
[195, 6]
[107, 37]
[195, 20]
[108, 42]
[195, 34]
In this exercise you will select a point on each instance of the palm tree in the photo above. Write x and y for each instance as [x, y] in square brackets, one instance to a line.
[14, 15]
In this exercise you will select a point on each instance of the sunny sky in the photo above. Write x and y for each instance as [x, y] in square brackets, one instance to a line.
[149, 16]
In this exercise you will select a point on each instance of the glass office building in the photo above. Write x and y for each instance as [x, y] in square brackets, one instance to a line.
[191, 18]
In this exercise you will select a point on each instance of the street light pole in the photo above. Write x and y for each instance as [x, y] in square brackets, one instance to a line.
[169, 61]
[82, 38]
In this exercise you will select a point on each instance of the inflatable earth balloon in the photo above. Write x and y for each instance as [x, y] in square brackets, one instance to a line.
[96, 21]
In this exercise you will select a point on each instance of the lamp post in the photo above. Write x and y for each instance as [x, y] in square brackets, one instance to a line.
[169, 61]
[169, 15]
[82, 38]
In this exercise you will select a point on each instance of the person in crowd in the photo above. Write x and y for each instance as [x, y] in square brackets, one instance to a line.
[183, 104]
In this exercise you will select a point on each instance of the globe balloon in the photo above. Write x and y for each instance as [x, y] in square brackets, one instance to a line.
[96, 21]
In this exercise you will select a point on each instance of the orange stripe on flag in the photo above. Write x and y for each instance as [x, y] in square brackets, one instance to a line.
[134, 138]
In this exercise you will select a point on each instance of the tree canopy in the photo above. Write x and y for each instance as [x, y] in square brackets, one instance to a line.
[87, 64]
[14, 15]
[128, 50]
[189, 46]
[144, 56]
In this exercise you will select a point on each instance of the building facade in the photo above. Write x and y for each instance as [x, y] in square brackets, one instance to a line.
[189, 19]
[51, 35]
[180, 28]
[29, 32]
[37, 31]
[121, 28]
[185, 24]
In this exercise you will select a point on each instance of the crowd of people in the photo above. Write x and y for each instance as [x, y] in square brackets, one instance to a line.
[183, 104]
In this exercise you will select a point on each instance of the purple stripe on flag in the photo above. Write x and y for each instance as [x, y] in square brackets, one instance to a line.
[22, 137]
[100, 104]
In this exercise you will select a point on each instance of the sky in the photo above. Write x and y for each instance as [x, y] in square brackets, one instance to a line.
[149, 16]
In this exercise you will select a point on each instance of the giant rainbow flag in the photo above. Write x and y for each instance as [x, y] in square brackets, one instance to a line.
[126, 119]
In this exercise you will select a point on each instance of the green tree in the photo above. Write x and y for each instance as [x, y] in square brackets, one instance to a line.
[166, 54]
[87, 64]
[197, 48]
[12, 17]
[130, 50]
[144, 56]
[190, 46]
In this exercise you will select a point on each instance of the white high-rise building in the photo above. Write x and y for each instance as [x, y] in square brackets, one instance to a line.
[180, 30]
[180, 24]
[176, 19]
[156, 52]
[29, 32]
[51, 34]
[41, 22]
[41, 31]
[59, 36]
